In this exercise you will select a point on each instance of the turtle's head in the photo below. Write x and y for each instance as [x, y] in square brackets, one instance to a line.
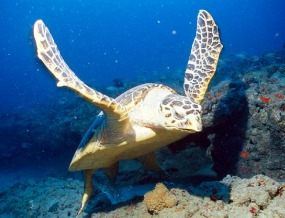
[180, 113]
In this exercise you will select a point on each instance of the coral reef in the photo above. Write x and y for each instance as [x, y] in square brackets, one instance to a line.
[249, 110]
[243, 135]
[258, 196]
[159, 198]
[244, 115]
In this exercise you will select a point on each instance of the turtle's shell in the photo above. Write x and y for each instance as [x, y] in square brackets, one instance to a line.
[105, 143]
[134, 95]
[129, 99]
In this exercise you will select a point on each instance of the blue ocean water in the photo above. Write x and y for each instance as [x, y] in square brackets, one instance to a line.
[103, 39]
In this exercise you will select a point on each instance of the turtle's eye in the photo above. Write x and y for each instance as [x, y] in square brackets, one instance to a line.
[178, 116]
[178, 113]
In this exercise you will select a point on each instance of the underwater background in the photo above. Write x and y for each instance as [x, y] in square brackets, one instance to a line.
[113, 46]
[103, 40]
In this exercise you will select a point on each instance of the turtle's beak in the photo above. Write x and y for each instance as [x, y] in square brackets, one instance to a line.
[193, 124]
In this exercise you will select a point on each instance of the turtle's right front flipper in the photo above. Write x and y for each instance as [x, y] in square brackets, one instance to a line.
[203, 59]
[50, 56]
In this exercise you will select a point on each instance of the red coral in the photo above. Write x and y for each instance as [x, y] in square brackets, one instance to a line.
[252, 210]
[210, 96]
[244, 154]
[279, 96]
[265, 99]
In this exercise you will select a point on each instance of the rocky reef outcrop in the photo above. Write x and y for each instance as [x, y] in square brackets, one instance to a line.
[243, 122]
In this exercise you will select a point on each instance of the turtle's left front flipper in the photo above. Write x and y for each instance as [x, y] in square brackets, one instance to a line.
[50, 56]
[203, 59]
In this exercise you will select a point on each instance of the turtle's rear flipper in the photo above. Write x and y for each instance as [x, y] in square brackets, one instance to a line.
[149, 162]
[203, 59]
[88, 188]
[112, 171]
[50, 56]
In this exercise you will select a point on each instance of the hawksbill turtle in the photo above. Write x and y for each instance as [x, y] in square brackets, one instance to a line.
[144, 118]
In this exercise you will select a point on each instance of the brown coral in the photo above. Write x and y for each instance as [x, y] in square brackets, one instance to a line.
[159, 198]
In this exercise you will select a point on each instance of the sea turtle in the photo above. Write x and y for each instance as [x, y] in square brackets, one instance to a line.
[144, 118]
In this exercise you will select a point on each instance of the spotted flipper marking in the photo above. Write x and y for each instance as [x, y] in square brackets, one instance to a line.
[203, 59]
[50, 55]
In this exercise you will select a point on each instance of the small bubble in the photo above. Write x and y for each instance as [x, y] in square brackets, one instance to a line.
[158, 21]
[173, 32]
[116, 61]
